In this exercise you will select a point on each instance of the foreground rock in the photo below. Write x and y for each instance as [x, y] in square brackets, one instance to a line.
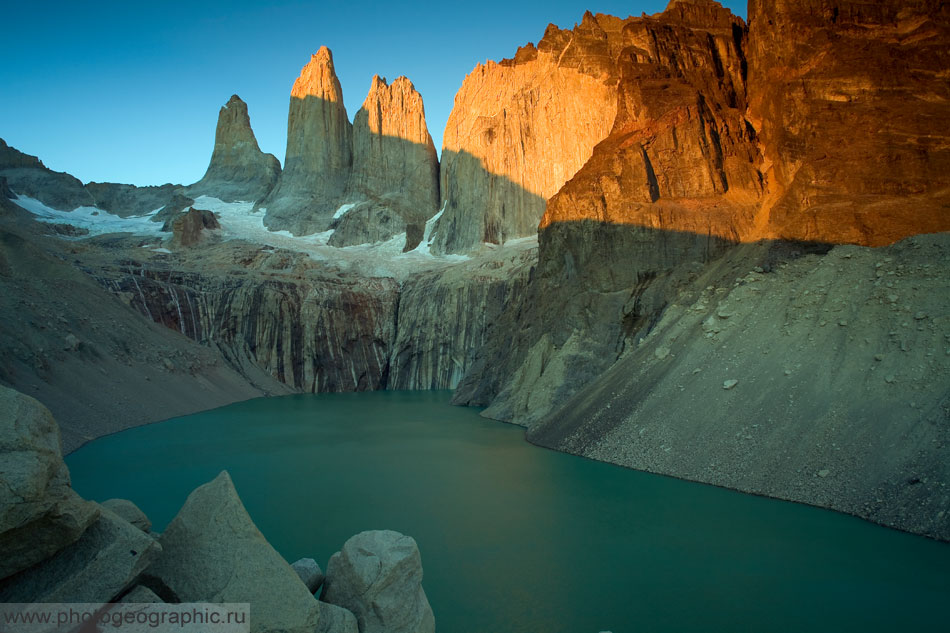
[213, 552]
[103, 563]
[378, 576]
[128, 511]
[39, 512]
[310, 573]
[239, 170]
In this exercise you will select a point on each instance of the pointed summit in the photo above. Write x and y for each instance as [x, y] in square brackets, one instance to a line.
[318, 78]
[239, 170]
[318, 160]
[394, 184]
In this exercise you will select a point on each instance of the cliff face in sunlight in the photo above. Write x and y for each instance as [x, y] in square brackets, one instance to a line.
[521, 128]
[850, 101]
[815, 123]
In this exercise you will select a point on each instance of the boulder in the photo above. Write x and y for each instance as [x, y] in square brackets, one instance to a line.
[310, 573]
[334, 619]
[213, 552]
[378, 576]
[39, 512]
[188, 228]
[103, 563]
[130, 512]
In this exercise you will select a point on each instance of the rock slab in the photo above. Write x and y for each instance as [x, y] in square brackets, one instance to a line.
[213, 552]
[103, 563]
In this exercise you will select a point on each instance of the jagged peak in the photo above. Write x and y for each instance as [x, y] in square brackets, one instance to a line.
[318, 78]
[235, 101]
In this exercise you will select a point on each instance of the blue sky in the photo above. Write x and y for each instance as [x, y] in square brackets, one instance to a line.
[130, 92]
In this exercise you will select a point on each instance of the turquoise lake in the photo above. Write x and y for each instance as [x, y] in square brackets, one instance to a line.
[519, 539]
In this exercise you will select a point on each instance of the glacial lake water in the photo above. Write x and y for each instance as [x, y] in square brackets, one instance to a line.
[518, 539]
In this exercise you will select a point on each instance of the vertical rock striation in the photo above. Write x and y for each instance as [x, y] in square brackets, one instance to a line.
[319, 157]
[521, 128]
[239, 170]
[445, 316]
[395, 168]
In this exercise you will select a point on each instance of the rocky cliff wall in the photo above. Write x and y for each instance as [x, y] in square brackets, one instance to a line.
[659, 197]
[850, 100]
[313, 332]
[521, 128]
[446, 316]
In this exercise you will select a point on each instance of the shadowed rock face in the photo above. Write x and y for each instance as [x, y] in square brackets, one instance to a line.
[521, 128]
[28, 176]
[239, 170]
[395, 177]
[319, 156]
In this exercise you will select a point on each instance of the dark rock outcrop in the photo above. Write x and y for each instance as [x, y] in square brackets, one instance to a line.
[188, 229]
[239, 170]
[319, 152]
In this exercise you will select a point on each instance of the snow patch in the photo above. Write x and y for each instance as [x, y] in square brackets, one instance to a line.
[96, 221]
[343, 209]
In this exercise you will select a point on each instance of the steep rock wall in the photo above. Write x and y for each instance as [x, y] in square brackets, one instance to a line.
[608, 250]
[445, 316]
[521, 128]
[851, 102]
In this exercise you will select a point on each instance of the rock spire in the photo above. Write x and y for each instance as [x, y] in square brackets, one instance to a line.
[239, 170]
[319, 151]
